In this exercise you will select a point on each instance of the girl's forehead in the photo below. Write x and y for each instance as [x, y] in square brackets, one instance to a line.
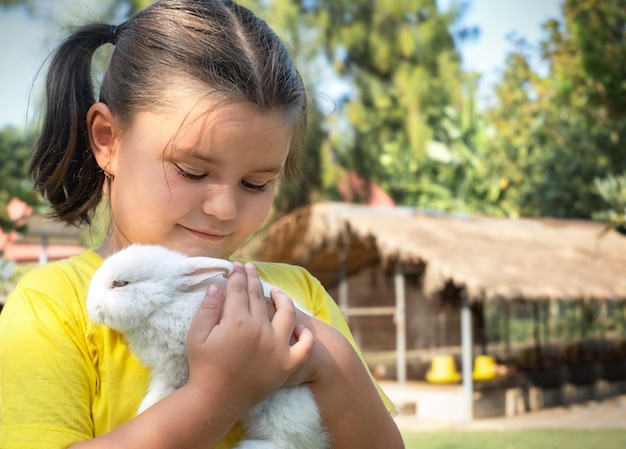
[188, 103]
[211, 122]
[229, 120]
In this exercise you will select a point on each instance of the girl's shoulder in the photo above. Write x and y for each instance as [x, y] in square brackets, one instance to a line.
[61, 280]
[73, 269]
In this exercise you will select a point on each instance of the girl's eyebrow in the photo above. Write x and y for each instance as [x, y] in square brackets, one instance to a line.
[202, 156]
[193, 153]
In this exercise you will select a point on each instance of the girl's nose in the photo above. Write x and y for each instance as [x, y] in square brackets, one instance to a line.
[221, 202]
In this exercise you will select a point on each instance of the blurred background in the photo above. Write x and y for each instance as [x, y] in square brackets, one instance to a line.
[501, 122]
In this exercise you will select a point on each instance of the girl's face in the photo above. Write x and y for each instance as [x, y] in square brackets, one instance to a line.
[198, 182]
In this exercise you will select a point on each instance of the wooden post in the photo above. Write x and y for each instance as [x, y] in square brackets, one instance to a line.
[400, 322]
[466, 356]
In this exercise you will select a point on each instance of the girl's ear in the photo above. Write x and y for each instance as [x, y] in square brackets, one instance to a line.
[102, 136]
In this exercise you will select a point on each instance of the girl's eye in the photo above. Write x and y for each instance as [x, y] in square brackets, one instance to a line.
[186, 174]
[248, 185]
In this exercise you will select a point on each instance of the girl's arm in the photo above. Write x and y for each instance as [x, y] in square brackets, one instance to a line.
[351, 407]
[237, 357]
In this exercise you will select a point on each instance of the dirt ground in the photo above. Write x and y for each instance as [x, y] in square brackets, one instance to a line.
[609, 413]
[606, 414]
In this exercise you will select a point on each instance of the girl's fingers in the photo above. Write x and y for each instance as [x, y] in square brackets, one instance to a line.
[284, 320]
[245, 301]
[258, 303]
[208, 315]
[304, 342]
[298, 338]
[237, 293]
[244, 294]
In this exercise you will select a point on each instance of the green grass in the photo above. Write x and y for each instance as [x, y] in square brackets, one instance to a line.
[519, 439]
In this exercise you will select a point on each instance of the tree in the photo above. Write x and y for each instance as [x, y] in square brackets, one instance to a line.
[385, 50]
[555, 134]
[405, 103]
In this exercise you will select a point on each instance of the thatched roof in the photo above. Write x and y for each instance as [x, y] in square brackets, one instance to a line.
[492, 258]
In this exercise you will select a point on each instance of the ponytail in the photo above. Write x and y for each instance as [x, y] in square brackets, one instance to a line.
[63, 166]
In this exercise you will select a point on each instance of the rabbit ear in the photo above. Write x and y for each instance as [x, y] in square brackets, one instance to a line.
[203, 271]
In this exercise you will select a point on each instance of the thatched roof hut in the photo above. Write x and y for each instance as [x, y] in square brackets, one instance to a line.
[532, 259]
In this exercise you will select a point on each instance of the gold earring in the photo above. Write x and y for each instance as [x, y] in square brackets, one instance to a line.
[108, 175]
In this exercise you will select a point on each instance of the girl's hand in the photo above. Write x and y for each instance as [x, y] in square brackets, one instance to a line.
[236, 350]
[327, 353]
[325, 337]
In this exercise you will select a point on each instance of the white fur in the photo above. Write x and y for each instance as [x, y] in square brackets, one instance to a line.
[150, 295]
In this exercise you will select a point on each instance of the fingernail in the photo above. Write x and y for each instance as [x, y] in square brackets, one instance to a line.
[250, 267]
[238, 265]
[214, 290]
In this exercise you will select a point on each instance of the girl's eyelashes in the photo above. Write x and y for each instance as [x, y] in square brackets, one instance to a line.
[186, 174]
[249, 185]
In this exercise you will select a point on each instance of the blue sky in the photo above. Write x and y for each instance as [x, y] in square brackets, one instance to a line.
[21, 53]
[27, 42]
[496, 20]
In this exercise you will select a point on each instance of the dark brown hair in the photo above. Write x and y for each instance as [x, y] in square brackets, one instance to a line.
[219, 43]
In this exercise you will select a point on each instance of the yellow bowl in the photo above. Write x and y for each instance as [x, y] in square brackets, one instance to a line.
[485, 368]
[443, 370]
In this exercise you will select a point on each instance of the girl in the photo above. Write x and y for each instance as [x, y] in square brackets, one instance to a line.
[200, 112]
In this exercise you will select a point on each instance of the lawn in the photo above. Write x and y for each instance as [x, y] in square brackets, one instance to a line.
[519, 439]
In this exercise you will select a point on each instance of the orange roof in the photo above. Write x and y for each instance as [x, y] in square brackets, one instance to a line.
[31, 252]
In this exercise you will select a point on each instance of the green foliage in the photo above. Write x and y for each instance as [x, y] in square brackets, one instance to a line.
[15, 150]
[400, 59]
[555, 134]
[612, 189]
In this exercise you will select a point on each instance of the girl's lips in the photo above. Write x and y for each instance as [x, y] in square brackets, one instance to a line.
[205, 235]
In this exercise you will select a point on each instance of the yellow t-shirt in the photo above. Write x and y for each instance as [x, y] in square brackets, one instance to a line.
[64, 379]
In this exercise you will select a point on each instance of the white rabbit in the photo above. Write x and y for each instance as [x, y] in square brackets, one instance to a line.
[150, 295]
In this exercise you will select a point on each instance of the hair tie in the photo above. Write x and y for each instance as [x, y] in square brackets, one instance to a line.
[112, 37]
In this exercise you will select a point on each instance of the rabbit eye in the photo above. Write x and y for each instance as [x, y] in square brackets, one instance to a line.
[117, 283]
